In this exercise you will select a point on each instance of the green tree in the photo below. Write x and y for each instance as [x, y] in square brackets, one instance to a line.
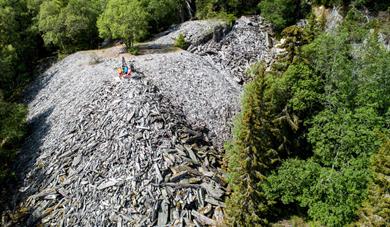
[326, 103]
[211, 8]
[19, 48]
[332, 196]
[8, 61]
[9, 41]
[376, 209]
[281, 12]
[124, 19]
[351, 101]
[164, 13]
[69, 25]
[250, 155]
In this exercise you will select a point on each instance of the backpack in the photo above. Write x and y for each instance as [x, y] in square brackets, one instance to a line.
[125, 69]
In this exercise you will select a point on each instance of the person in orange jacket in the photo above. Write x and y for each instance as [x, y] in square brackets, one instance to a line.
[120, 72]
[124, 71]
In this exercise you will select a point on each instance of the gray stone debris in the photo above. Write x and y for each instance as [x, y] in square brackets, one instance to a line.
[116, 152]
[144, 151]
[206, 96]
[249, 41]
[195, 32]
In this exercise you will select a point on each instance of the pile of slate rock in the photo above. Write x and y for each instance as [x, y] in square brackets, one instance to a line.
[140, 152]
[249, 41]
[128, 158]
[196, 32]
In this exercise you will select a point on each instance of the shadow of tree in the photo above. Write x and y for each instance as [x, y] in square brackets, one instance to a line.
[153, 48]
[17, 191]
[37, 85]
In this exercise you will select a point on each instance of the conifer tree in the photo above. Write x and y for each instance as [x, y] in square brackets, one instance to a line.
[250, 155]
[376, 209]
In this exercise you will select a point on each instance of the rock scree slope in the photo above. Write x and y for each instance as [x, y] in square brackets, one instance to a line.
[138, 152]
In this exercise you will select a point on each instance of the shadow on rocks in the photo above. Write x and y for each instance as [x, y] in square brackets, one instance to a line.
[16, 214]
[38, 84]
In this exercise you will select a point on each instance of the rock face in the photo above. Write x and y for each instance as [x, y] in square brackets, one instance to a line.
[145, 151]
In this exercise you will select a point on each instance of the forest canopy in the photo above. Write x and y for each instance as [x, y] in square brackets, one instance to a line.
[310, 127]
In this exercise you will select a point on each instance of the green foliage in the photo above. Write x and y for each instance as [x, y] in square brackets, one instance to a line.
[376, 209]
[11, 44]
[224, 9]
[8, 60]
[68, 24]
[294, 38]
[328, 2]
[12, 130]
[229, 18]
[372, 4]
[181, 42]
[283, 13]
[339, 137]
[164, 13]
[250, 157]
[279, 12]
[331, 195]
[269, 129]
[19, 45]
[345, 133]
[124, 19]
[133, 50]
[326, 103]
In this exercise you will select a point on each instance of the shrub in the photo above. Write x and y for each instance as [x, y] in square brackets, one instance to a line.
[133, 50]
[181, 42]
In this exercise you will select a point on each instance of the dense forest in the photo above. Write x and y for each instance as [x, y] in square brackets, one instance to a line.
[313, 137]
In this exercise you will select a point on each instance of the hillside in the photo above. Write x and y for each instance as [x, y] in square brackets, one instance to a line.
[141, 151]
[238, 113]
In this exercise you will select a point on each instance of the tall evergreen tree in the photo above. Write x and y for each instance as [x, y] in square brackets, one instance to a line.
[376, 209]
[250, 156]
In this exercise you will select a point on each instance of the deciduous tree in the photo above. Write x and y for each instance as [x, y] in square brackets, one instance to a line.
[124, 19]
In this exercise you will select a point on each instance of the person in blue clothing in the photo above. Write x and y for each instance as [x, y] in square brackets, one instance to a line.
[126, 71]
